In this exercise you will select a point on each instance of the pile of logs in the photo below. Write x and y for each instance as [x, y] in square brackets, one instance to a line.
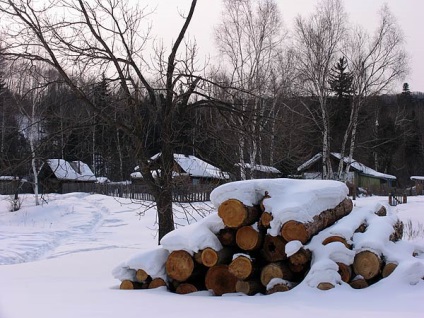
[252, 261]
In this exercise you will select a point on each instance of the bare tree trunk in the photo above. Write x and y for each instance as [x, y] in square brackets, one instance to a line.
[33, 132]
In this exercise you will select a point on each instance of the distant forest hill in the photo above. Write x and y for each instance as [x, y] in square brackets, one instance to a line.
[390, 133]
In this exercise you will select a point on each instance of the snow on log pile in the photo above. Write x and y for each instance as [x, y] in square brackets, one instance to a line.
[273, 235]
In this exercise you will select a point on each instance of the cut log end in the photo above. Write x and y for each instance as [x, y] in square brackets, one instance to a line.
[157, 282]
[345, 272]
[359, 283]
[186, 288]
[128, 285]
[248, 239]
[335, 238]
[367, 264]
[301, 257]
[275, 270]
[274, 248]
[209, 257]
[325, 286]
[220, 281]
[388, 269]
[232, 212]
[141, 275]
[241, 267]
[251, 287]
[278, 288]
[179, 265]
[294, 230]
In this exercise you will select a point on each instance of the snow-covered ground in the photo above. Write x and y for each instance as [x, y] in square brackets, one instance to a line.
[56, 261]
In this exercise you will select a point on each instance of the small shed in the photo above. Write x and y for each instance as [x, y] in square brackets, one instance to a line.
[419, 184]
[8, 184]
[55, 173]
[359, 176]
[188, 169]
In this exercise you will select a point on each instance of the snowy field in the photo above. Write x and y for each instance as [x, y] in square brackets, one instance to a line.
[56, 261]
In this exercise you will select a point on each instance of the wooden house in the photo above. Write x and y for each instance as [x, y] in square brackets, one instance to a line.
[359, 176]
[188, 169]
[54, 174]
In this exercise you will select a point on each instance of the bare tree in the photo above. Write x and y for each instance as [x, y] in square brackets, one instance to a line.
[107, 37]
[317, 43]
[249, 39]
[375, 62]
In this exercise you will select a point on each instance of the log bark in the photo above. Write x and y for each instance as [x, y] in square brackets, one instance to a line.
[179, 265]
[210, 257]
[248, 239]
[397, 231]
[243, 267]
[388, 269]
[367, 264]
[274, 248]
[249, 287]
[227, 237]
[220, 281]
[235, 214]
[275, 270]
[157, 282]
[261, 203]
[295, 230]
[186, 288]
[382, 211]
[265, 220]
[198, 257]
[128, 284]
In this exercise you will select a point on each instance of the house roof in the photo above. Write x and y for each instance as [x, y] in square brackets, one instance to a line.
[417, 178]
[193, 166]
[262, 168]
[8, 178]
[355, 165]
[75, 170]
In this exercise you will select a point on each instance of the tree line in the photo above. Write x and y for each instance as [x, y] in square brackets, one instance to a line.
[84, 85]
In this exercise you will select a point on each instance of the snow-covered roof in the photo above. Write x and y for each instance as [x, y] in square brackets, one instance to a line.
[262, 168]
[192, 166]
[8, 178]
[354, 164]
[416, 178]
[75, 170]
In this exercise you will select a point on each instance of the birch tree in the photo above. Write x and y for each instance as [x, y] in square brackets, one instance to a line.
[249, 39]
[317, 43]
[375, 63]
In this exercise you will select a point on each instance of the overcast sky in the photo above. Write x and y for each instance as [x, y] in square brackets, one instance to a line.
[409, 13]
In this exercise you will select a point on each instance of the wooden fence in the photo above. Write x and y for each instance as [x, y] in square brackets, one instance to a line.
[190, 193]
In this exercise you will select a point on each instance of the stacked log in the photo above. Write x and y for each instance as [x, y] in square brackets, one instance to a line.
[249, 259]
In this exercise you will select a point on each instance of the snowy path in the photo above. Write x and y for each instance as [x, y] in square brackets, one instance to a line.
[65, 224]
